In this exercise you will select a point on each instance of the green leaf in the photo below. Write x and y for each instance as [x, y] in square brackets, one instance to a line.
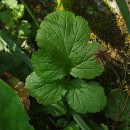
[5, 39]
[45, 93]
[62, 123]
[8, 61]
[1, 46]
[72, 126]
[63, 38]
[104, 127]
[2, 3]
[13, 115]
[80, 121]
[125, 12]
[11, 24]
[90, 10]
[115, 105]
[56, 109]
[24, 29]
[86, 96]
[124, 126]
[49, 64]
[95, 126]
[11, 3]
[65, 52]
[85, 64]
[6, 17]
[18, 11]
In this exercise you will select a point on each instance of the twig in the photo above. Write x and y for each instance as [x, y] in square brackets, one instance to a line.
[123, 109]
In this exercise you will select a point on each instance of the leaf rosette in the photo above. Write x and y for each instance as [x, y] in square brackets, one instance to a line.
[65, 52]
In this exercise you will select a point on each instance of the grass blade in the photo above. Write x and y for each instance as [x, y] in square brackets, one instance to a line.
[80, 121]
[15, 48]
[31, 13]
[125, 12]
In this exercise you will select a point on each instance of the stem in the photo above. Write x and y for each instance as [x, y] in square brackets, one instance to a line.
[77, 118]
[30, 12]
[125, 12]
[120, 115]
[115, 72]
[80, 121]
[105, 1]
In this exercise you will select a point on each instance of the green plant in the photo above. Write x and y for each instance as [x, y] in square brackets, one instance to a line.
[30, 12]
[64, 60]
[125, 12]
[13, 115]
[64, 80]
[115, 105]
[7, 58]
[72, 126]
[11, 16]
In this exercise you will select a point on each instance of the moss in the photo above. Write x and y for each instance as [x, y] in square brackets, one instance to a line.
[68, 4]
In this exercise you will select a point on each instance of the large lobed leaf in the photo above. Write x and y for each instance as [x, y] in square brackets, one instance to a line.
[63, 38]
[48, 64]
[45, 92]
[65, 52]
[86, 97]
[81, 96]
[13, 115]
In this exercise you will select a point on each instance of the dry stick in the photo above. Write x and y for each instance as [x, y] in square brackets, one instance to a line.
[125, 103]
[126, 64]
[120, 115]
[125, 72]
[123, 109]
[52, 122]
[126, 15]
[115, 72]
